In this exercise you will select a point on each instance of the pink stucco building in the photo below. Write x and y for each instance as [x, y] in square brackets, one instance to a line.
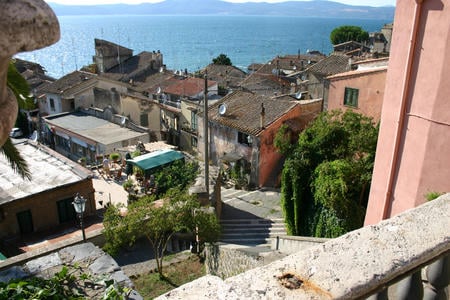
[361, 90]
[414, 142]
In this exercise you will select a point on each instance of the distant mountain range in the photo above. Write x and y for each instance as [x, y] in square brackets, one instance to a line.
[315, 8]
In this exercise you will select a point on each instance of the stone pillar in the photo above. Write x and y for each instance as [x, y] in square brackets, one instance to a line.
[26, 25]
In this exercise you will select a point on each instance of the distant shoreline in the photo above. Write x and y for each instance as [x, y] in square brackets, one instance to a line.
[317, 9]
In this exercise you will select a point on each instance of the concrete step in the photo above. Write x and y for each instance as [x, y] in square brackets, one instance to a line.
[251, 231]
[249, 241]
[252, 221]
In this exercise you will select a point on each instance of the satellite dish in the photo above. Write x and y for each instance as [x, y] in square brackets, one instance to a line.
[158, 91]
[123, 121]
[222, 109]
[298, 95]
[161, 69]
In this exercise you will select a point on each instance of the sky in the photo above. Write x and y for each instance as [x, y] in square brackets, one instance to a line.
[95, 2]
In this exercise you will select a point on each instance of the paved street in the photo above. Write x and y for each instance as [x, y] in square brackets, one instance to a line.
[240, 204]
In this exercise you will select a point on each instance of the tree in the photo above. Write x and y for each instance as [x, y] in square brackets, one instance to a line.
[17, 84]
[347, 33]
[177, 175]
[158, 221]
[326, 176]
[222, 59]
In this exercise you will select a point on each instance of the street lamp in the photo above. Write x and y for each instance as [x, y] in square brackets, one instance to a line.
[79, 203]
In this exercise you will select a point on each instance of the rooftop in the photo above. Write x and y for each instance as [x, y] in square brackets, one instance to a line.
[93, 128]
[331, 65]
[48, 168]
[225, 75]
[68, 81]
[243, 110]
[137, 67]
[188, 86]
[356, 73]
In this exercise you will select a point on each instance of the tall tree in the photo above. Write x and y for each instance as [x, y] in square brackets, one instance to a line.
[158, 221]
[222, 59]
[326, 176]
[347, 33]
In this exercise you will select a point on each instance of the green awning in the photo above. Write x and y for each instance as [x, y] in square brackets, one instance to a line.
[153, 160]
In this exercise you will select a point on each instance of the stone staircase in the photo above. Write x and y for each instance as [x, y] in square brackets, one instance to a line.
[251, 232]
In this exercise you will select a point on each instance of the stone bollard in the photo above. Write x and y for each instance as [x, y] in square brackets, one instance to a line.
[26, 25]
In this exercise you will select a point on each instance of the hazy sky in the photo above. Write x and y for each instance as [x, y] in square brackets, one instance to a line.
[93, 2]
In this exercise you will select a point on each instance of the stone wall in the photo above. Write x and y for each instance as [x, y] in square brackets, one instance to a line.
[291, 244]
[79, 259]
[226, 260]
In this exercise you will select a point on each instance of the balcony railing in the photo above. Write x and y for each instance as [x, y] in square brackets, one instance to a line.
[405, 257]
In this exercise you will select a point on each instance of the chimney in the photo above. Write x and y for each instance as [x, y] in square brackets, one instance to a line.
[263, 116]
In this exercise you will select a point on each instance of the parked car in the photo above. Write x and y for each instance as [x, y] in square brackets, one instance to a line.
[16, 132]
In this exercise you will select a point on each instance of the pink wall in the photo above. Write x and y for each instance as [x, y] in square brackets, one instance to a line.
[371, 87]
[422, 165]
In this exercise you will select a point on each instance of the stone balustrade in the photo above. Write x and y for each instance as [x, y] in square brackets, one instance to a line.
[405, 257]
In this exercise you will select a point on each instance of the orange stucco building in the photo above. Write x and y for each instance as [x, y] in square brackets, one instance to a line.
[412, 157]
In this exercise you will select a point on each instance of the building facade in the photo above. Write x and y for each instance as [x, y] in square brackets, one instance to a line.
[45, 201]
[412, 153]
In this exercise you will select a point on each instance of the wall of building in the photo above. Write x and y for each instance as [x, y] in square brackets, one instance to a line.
[45, 107]
[411, 158]
[136, 108]
[370, 97]
[43, 207]
[270, 160]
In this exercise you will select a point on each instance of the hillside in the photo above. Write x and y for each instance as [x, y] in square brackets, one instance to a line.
[316, 8]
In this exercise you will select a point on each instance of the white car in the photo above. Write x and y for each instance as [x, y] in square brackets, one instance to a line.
[15, 132]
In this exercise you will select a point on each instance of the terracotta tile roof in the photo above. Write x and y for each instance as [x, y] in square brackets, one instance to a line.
[155, 81]
[66, 82]
[227, 76]
[243, 110]
[331, 65]
[290, 62]
[189, 86]
[266, 84]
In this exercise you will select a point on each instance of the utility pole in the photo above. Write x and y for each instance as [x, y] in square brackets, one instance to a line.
[205, 134]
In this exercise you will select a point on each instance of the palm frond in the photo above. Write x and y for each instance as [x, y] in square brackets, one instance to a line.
[17, 162]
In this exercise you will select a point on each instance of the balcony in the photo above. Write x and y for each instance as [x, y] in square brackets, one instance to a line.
[405, 257]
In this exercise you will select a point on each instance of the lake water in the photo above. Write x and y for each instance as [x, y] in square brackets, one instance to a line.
[191, 42]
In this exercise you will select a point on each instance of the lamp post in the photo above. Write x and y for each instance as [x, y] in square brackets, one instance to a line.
[79, 203]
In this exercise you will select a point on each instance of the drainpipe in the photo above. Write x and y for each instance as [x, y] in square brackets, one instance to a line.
[401, 122]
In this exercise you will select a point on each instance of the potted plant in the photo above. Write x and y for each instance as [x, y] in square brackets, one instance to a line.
[128, 185]
[114, 157]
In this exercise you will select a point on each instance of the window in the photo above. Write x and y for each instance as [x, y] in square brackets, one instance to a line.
[244, 138]
[144, 119]
[66, 211]
[52, 104]
[351, 97]
[25, 221]
[194, 142]
[193, 121]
